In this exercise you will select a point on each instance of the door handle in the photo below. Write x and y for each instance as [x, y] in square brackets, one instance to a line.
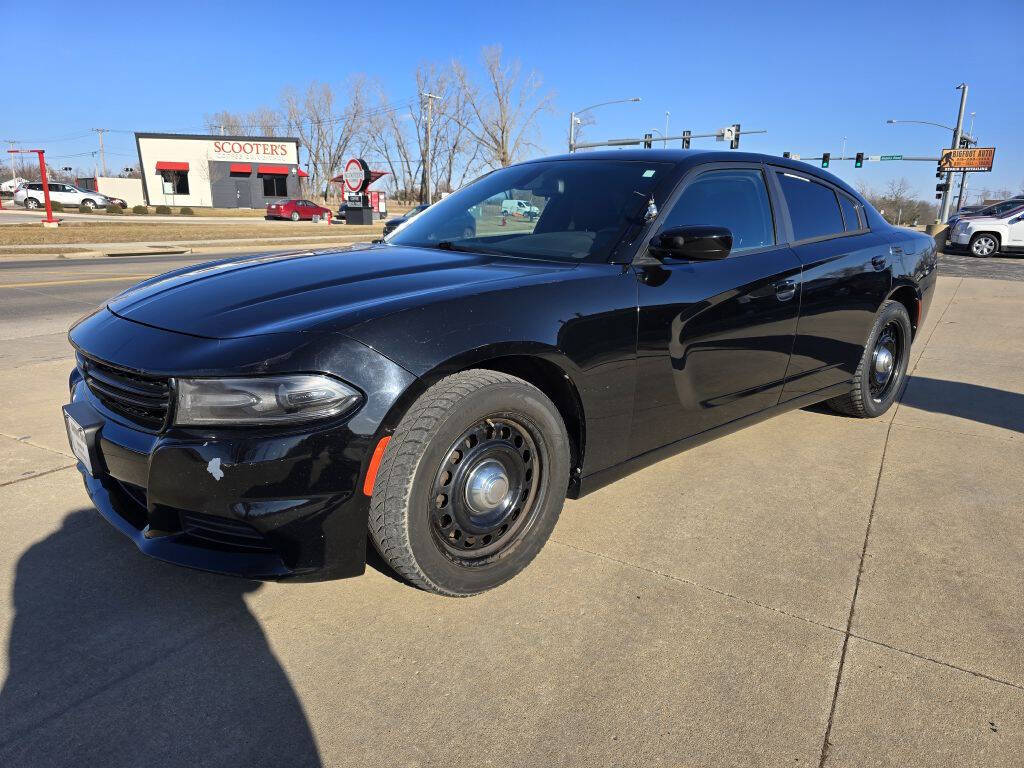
[878, 262]
[785, 290]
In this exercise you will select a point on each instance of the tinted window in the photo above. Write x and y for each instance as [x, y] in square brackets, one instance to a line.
[850, 214]
[736, 199]
[813, 207]
[563, 209]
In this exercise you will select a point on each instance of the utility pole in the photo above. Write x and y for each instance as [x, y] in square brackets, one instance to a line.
[426, 147]
[947, 195]
[14, 174]
[103, 161]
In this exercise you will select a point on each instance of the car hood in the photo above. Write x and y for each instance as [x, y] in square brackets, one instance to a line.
[312, 291]
[985, 221]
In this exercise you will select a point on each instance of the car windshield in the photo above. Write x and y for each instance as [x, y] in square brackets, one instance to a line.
[998, 209]
[561, 209]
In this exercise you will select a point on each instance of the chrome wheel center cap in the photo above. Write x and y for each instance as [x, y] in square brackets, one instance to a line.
[883, 362]
[487, 487]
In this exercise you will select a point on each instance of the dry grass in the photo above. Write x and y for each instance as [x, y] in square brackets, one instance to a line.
[131, 232]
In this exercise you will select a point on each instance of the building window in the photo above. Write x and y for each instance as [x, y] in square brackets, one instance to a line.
[275, 185]
[178, 181]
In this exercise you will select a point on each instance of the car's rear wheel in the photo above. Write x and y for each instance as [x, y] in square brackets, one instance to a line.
[295, 216]
[471, 483]
[983, 244]
[90, 204]
[883, 365]
[31, 202]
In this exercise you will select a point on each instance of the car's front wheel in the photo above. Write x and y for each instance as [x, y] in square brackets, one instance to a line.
[31, 203]
[295, 216]
[471, 483]
[883, 365]
[983, 244]
[90, 204]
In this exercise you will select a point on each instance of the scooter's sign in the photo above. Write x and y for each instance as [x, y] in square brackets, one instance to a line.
[356, 175]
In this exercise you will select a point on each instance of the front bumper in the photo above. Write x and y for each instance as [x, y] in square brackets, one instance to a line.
[263, 503]
[260, 506]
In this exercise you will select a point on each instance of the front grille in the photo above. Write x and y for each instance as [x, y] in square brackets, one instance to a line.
[222, 530]
[139, 398]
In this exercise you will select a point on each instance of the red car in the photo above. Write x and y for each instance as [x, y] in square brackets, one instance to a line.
[296, 210]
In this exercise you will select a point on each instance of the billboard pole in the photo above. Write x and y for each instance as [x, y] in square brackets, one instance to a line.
[947, 196]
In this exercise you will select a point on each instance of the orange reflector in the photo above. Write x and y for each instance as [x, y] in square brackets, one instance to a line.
[371, 471]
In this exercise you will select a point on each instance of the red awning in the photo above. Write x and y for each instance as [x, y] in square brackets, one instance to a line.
[303, 174]
[165, 165]
[241, 168]
[278, 169]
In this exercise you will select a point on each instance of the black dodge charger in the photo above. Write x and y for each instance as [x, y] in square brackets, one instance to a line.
[442, 393]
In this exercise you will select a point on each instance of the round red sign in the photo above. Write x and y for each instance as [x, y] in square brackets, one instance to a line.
[356, 175]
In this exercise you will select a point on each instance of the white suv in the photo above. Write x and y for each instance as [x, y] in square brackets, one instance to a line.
[988, 235]
[31, 196]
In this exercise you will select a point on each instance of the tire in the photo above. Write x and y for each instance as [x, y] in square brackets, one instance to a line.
[984, 245]
[90, 204]
[31, 203]
[294, 216]
[431, 517]
[868, 398]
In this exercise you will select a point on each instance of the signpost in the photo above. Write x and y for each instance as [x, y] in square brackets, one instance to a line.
[49, 221]
[976, 159]
[356, 178]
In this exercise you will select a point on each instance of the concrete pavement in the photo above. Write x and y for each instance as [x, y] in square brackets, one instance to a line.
[815, 590]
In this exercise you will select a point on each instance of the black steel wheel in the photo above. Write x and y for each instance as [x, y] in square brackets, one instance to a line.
[471, 483]
[484, 491]
[883, 365]
[887, 352]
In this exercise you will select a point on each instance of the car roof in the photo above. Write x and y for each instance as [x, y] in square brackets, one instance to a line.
[691, 157]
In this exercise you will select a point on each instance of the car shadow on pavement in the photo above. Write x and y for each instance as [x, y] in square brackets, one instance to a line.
[975, 402]
[115, 659]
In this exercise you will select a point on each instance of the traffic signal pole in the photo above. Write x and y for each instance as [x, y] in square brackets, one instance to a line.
[947, 195]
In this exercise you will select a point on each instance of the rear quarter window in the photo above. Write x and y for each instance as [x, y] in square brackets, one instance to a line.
[813, 207]
[853, 218]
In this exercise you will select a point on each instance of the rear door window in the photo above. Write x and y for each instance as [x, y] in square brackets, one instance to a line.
[813, 207]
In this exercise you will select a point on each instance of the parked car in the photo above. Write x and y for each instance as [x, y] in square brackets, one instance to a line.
[519, 208]
[296, 210]
[118, 202]
[440, 394]
[10, 186]
[965, 210]
[991, 234]
[31, 196]
[396, 221]
[995, 209]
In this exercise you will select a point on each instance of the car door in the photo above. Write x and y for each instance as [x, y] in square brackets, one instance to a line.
[59, 195]
[847, 273]
[1015, 234]
[714, 337]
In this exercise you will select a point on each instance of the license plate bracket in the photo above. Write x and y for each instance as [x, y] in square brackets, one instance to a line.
[83, 427]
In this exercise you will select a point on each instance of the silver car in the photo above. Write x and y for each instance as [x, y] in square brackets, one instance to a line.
[31, 196]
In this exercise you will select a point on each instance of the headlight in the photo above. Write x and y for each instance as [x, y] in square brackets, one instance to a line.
[263, 400]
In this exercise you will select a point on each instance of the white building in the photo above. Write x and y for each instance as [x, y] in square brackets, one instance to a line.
[217, 171]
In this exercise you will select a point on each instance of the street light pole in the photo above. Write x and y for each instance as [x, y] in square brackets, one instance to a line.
[843, 152]
[963, 175]
[947, 195]
[664, 142]
[573, 119]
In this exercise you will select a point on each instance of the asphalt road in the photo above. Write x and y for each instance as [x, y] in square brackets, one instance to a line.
[813, 591]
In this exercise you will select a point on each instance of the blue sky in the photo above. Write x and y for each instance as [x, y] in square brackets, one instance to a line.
[809, 73]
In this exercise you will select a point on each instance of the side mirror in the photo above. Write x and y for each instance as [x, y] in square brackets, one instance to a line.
[692, 243]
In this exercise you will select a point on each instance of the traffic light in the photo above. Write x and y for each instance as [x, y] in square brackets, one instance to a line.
[647, 140]
[735, 143]
[938, 195]
[943, 187]
[825, 157]
[787, 154]
[858, 161]
[938, 172]
[686, 139]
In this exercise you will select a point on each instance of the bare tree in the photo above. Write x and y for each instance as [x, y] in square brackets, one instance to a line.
[327, 125]
[503, 114]
[263, 121]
